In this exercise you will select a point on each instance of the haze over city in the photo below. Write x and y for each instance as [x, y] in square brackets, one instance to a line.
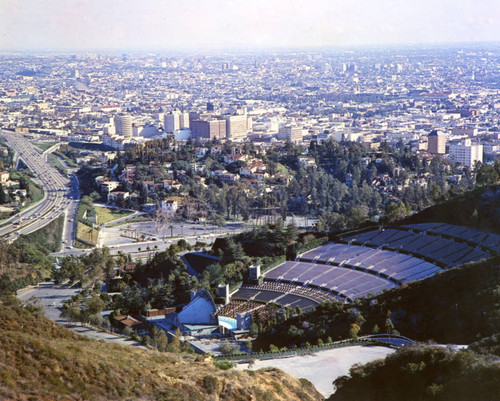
[199, 24]
[280, 200]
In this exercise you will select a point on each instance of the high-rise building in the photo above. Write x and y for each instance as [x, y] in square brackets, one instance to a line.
[171, 122]
[466, 153]
[290, 133]
[237, 127]
[194, 116]
[184, 120]
[211, 129]
[123, 125]
[436, 143]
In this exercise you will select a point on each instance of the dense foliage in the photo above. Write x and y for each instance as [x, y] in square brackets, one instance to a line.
[341, 183]
[423, 373]
[478, 208]
[26, 261]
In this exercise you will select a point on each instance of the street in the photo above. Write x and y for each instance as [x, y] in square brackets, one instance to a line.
[52, 297]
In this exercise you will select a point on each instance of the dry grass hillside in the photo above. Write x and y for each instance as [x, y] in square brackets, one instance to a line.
[42, 361]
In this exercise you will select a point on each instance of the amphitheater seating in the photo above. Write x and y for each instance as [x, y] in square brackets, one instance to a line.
[245, 293]
[445, 251]
[236, 306]
[469, 234]
[344, 281]
[267, 296]
[362, 264]
[385, 263]
[272, 291]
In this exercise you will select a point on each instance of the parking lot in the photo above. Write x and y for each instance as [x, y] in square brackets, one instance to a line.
[323, 367]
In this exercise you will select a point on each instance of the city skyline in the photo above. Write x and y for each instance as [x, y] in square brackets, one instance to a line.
[198, 24]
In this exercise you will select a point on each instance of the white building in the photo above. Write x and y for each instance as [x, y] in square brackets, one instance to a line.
[171, 122]
[146, 131]
[4, 177]
[184, 120]
[182, 134]
[466, 153]
[290, 133]
[175, 120]
[237, 127]
[123, 125]
[169, 206]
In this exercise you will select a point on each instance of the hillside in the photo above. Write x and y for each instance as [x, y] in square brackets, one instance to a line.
[457, 306]
[26, 260]
[423, 373]
[40, 360]
[478, 208]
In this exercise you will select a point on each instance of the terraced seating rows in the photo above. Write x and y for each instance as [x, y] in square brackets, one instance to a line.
[469, 234]
[445, 251]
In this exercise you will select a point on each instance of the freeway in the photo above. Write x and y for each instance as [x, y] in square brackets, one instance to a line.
[57, 197]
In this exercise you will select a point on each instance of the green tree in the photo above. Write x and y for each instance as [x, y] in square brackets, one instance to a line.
[254, 329]
[3, 195]
[162, 341]
[176, 340]
[291, 233]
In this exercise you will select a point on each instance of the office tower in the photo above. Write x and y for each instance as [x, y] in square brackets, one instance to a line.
[123, 125]
[171, 122]
[290, 133]
[210, 106]
[237, 127]
[208, 129]
[466, 153]
[436, 143]
[184, 120]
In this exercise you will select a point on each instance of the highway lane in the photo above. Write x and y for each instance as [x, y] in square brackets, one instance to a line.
[56, 197]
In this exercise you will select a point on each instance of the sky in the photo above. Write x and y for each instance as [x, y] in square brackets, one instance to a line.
[74, 25]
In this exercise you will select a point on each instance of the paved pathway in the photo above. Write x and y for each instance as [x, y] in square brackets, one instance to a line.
[323, 367]
[51, 298]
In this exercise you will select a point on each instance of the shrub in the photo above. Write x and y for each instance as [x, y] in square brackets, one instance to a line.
[224, 365]
[229, 348]
[210, 384]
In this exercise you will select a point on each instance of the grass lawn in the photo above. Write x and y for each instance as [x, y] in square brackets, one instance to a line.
[135, 219]
[45, 145]
[68, 161]
[35, 191]
[105, 214]
[86, 233]
[54, 160]
[4, 216]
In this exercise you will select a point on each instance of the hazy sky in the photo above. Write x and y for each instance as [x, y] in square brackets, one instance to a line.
[168, 24]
